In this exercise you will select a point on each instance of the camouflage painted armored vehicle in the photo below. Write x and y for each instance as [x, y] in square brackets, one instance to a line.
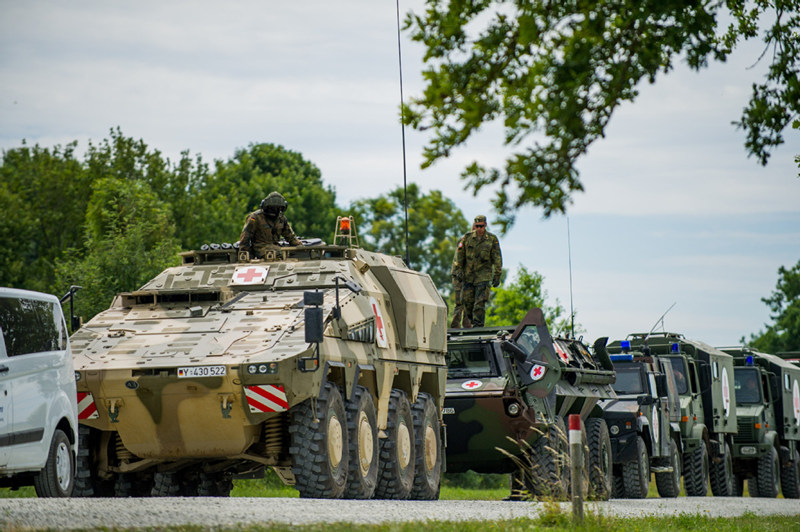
[766, 448]
[326, 363]
[644, 422]
[509, 391]
[708, 408]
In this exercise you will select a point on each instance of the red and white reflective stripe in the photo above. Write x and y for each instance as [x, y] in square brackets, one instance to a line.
[86, 407]
[266, 398]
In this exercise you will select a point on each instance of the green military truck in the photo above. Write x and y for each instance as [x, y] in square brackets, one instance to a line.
[323, 362]
[702, 377]
[644, 422]
[766, 449]
[509, 392]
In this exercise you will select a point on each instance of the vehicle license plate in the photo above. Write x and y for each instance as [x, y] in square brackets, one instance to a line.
[201, 371]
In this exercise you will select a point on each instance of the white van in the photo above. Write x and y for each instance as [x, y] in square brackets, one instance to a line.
[38, 408]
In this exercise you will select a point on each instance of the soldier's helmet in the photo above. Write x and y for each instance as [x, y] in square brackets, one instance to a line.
[274, 204]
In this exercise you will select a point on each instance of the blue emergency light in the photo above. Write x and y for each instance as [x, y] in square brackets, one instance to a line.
[749, 360]
[625, 345]
[674, 348]
[622, 358]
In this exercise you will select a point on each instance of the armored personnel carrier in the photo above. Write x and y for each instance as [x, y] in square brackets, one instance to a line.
[509, 391]
[324, 362]
[766, 448]
[644, 422]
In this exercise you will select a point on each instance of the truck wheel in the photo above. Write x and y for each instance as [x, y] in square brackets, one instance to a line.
[790, 479]
[396, 461]
[549, 475]
[618, 487]
[87, 482]
[695, 472]
[57, 477]
[217, 484]
[362, 433]
[636, 473]
[767, 477]
[319, 447]
[722, 481]
[600, 468]
[427, 449]
[669, 484]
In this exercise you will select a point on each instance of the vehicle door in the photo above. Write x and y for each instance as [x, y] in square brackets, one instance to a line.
[5, 403]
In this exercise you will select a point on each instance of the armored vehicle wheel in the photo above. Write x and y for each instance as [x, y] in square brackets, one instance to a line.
[618, 487]
[767, 476]
[57, 477]
[636, 473]
[175, 483]
[427, 449]
[790, 479]
[549, 474]
[695, 472]
[396, 463]
[87, 481]
[722, 481]
[600, 468]
[133, 485]
[669, 483]
[362, 433]
[319, 447]
[216, 484]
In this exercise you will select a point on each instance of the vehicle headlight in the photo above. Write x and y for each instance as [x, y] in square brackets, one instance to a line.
[513, 409]
[252, 369]
[614, 429]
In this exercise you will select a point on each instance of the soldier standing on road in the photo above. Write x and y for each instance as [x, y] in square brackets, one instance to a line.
[478, 263]
[265, 227]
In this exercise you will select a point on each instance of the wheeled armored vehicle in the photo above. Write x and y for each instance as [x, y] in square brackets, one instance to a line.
[509, 392]
[324, 362]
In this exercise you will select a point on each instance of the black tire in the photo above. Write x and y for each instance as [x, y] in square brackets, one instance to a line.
[767, 477]
[636, 473]
[397, 457]
[549, 474]
[166, 484]
[133, 485]
[695, 472]
[362, 433]
[723, 484]
[427, 449]
[600, 464]
[618, 487]
[87, 480]
[790, 479]
[57, 477]
[319, 447]
[216, 484]
[669, 484]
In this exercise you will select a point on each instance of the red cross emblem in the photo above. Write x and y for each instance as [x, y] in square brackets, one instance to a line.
[471, 385]
[379, 325]
[537, 372]
[250, 275]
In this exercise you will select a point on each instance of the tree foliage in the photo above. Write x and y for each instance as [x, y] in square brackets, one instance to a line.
[553, 72]
[435, 224]
[511, 302]
[784, 305]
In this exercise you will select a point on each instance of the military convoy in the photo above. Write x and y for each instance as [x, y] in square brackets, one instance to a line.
[323, 362]
[509, 391]
[644, 423]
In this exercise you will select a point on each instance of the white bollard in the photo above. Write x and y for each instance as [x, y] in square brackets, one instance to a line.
[576, 458]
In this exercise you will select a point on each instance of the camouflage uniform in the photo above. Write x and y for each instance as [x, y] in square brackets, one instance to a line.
[261, 232]
[479, 264]
[460, 320]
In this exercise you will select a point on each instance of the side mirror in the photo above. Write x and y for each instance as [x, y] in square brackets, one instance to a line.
[514, 350]
[645, 400]
[313, 316]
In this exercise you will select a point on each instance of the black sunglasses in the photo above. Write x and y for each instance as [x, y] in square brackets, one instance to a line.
[480, 225]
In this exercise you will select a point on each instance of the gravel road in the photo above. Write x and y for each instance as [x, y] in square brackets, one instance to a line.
[65, 514]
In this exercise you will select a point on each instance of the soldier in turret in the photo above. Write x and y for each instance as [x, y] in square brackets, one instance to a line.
[478, 263]
[265, 227]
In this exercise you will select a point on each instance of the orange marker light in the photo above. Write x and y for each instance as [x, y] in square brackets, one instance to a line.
[758, 425]
[344, 225]
[684, 419]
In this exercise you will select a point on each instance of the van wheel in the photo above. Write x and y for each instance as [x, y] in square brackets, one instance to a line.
[790, 479]
[362, 433]
[636, 473]
[722, 481]
[319, 446]
[767, 476]
[695, 472]
[57, 477]
[396, 469]
[600, 466]
[669, 484]
[549, 474]
[427, 449]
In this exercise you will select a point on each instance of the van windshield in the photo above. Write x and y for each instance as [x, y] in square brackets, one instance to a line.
[745, 382]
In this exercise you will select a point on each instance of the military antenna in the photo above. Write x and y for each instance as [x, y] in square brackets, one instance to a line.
[659, 320]
[569, 254]
[403, 129]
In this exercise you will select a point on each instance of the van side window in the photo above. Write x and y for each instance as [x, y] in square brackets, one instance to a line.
[29, 326]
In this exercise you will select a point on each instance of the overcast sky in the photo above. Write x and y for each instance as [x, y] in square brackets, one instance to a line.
[673, 210]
